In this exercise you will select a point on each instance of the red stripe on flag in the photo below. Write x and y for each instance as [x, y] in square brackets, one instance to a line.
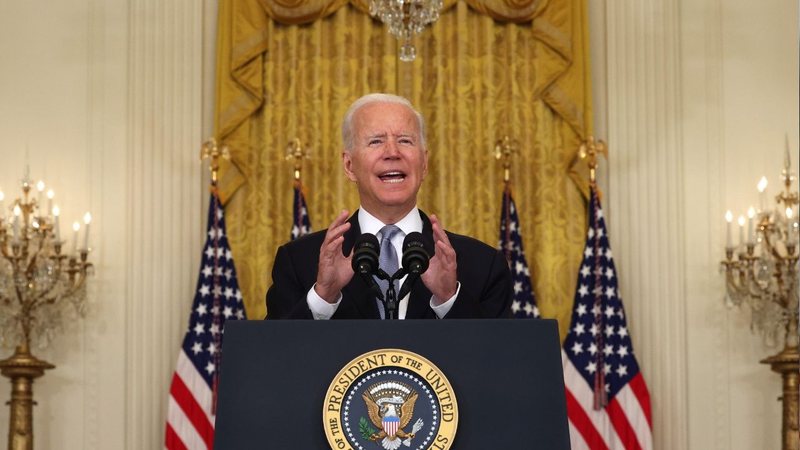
[194, 412]
[639, 389]
[621, 424]
[583, 424]
[172, 441]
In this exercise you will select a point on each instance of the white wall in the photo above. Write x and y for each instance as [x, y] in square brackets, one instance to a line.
[695, 98]
[108, 101]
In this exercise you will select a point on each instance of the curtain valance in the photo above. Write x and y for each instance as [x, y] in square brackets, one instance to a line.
[297, 12]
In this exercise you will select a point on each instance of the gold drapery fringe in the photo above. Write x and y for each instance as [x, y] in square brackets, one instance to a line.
[474, 79]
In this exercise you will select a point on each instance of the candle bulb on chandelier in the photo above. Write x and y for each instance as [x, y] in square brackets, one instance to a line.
[728, 220]
[2, 208]
[762, 194]
[87, 219]
[789, 226]
[56, 226]
[75, 228]
[751, 214]
[17, 213]
[40, 190]
[786, 159]
[50, 195]
[796, 230]
[741, 230]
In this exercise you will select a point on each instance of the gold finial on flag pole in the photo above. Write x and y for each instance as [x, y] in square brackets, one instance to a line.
[504, 149]
[295, 151]
[588, 151]
[211, 150]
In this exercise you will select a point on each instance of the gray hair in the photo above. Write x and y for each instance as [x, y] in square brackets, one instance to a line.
[348, 133]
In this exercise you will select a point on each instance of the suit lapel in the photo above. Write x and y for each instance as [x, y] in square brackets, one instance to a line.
[419, 302]
[427, 234]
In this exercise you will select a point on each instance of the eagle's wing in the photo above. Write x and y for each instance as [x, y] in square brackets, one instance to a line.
[374, 411]
[407, 410]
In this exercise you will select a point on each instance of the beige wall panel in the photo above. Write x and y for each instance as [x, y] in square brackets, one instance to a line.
[695, 98]
[107, 102]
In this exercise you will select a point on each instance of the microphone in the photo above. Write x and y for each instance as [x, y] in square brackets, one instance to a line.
[365, 261]
[415, 261]
[415, 258]
[365, 255]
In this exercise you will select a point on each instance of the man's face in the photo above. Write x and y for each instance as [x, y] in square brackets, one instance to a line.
[387, 161]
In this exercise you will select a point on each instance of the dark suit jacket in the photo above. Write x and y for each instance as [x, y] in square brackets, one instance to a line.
[482, 271]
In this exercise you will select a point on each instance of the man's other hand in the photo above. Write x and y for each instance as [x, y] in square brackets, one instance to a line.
[334, 271]
[441, 278]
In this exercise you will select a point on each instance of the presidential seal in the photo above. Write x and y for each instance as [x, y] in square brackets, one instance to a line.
[390, 399]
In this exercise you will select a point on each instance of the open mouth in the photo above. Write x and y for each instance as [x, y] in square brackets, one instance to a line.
[392, 176]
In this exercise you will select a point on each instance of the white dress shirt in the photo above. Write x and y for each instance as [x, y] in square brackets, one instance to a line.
[322, 310]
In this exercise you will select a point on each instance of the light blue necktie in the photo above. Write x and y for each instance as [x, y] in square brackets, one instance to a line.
[388, 262]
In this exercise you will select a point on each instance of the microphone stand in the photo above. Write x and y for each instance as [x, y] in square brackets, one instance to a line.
[390, 300]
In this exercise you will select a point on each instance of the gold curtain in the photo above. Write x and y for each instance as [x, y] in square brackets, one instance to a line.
[286, 71]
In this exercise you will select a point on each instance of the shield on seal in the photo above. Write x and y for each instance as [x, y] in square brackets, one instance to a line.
[390, 425]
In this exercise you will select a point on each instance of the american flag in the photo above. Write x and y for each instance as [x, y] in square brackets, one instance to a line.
[192, 394]
[302, 223]
[524, 303]
[607, 399]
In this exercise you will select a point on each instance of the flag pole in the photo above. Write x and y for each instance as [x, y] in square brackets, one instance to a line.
[588, 151]
[505, 149]
[297, 152]
[523, 303]
[210, 150]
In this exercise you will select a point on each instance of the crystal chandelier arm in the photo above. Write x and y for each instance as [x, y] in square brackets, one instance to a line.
[741, 280]
[34, 257]
[755, 289]
[76, 277]
[768, 230]
[81, 269]
[55, 280]
[69, 292]
[34, 301]
[787, 286]
[735, 278]
[42, 297]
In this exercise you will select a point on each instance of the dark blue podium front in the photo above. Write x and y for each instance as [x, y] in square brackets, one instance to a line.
[506, 376]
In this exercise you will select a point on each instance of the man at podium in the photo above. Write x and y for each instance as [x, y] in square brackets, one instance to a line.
[385, 155]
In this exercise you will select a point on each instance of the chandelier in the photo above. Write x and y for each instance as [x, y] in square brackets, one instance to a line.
[762, 272]
[42, 287]
[404, 19]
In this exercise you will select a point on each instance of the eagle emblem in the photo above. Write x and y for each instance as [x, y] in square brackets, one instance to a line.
[390, 406]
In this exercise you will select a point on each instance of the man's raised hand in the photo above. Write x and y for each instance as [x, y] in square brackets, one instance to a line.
[441, 277]
[334, 271]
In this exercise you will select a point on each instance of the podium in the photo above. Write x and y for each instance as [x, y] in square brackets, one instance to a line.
[277, 378]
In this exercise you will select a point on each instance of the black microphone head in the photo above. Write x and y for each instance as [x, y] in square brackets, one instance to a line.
[365, 254]
[415, 258]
